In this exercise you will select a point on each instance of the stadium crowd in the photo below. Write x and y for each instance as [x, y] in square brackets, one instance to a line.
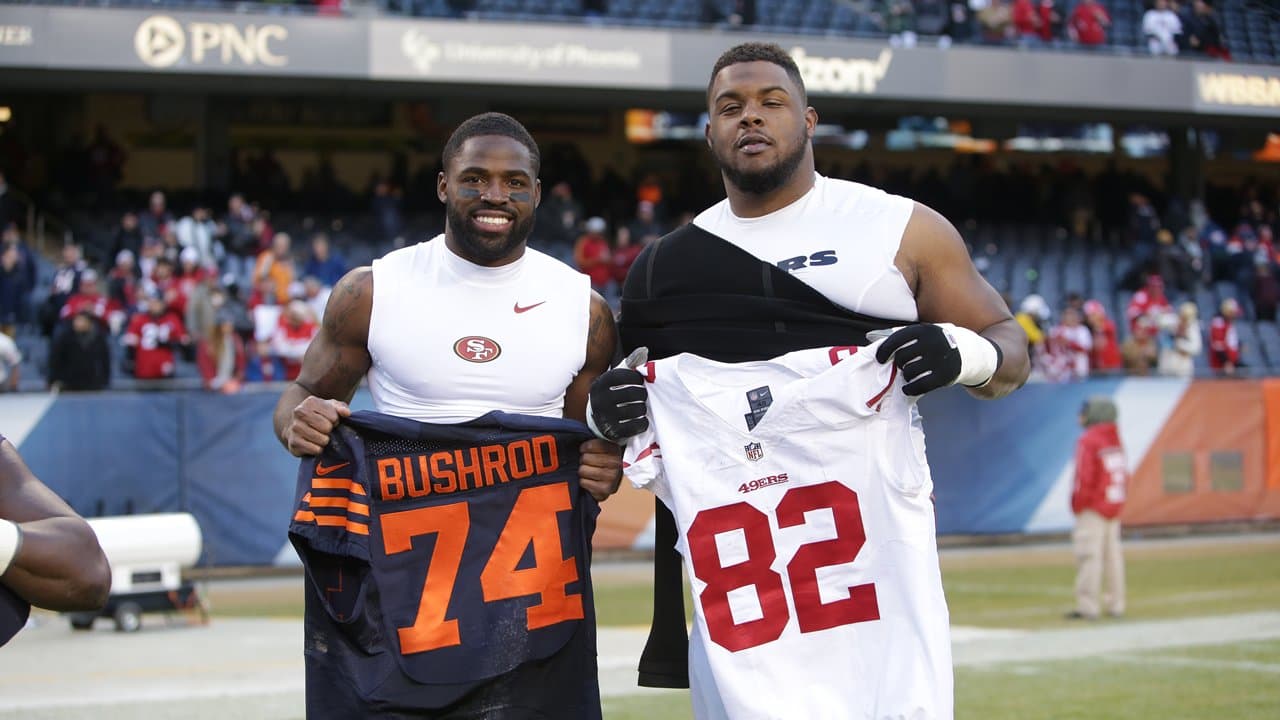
[1161, 27]
[222, 294]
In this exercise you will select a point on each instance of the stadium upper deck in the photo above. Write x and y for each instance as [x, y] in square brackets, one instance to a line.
[1250, 29]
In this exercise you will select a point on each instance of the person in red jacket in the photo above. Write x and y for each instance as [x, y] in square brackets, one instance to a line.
[1102, 474]
[152, 338]
[592, 254]
[1224, 342]
[1089, 23]
[1105, 355]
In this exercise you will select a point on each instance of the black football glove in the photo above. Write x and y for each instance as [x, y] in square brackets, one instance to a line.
[934, 355]
[617, 406]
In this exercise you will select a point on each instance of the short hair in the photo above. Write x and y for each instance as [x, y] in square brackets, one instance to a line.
[758, 52]
[490, 123]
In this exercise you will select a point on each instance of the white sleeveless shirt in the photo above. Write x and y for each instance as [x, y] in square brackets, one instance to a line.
[840, 238]
[451, 340]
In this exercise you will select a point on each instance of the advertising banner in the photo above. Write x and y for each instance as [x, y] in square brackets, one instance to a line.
[498, 53]
[994, 76]
[183, 42]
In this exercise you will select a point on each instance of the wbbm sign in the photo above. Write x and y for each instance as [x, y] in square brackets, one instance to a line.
[1239, 89]
[163, 42]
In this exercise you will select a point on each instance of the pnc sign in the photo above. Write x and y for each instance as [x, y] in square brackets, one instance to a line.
[163, 42]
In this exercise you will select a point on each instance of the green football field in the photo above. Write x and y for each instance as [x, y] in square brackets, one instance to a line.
[1027, 589]
[1240, 681]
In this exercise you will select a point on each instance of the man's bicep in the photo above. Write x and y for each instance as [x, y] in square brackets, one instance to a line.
[338, 356]
[602, 346]
[949, 289]
[948, 286]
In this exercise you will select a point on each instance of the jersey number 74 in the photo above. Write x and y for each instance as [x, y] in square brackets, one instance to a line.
[532, 521]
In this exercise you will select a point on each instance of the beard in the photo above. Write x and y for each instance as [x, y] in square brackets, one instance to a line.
[483, 249]
[763, 180]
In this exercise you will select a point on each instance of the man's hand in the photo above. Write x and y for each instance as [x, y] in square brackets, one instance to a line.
[617, 405]
[310, 424]
[601, 470]
[932, 355]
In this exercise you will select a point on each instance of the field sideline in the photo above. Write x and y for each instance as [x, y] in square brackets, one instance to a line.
[1202, 640]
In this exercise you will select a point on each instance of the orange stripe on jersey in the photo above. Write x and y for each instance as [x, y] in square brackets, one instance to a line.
[336, 521]
[358, 508]
[332, 502]
[304, 516]
[338, 484]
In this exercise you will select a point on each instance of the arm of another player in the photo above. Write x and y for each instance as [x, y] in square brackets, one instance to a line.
[601, 470]
[311, 406]
[53, 557]
[949, 289]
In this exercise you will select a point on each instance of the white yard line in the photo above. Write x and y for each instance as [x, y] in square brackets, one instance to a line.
[1199, 663]
[252, 668]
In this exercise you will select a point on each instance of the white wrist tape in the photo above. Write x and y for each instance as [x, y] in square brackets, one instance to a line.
[978, 357]
[591, 424]
[10, 542]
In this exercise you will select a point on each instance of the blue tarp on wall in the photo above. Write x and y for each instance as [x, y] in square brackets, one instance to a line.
[217, 457]
[994, 462]
[111, 453]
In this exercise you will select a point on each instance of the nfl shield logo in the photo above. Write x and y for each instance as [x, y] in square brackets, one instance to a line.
[754, 451]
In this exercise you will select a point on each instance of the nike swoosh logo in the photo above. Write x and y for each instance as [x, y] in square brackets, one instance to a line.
[321, 470]
[527, 308]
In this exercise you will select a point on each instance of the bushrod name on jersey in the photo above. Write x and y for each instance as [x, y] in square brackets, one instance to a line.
[463, 469]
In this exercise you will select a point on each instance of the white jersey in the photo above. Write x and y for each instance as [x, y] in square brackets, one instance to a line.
[451, 340]
[840, 238]
[808, 540]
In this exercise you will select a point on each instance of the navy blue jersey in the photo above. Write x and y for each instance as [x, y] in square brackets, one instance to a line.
[13, 609]
[448, 570]
[14, 612]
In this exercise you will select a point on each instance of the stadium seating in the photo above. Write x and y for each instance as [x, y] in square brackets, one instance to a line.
[1250, 31]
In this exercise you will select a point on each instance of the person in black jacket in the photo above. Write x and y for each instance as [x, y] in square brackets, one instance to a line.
[80, 359]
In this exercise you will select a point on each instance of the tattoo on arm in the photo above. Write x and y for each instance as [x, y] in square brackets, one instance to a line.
[602, 335]
[339, 355]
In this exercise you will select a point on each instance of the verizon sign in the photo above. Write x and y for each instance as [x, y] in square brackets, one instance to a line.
[841, 75]
[162, 42]
[493, 52]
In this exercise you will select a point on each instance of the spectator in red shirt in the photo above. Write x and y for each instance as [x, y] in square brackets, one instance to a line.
[1089, 23]
[592, 256]
[296, 328]
[122, 281]
[625, 252]
[1148, 311]
[164, 280]
[1068, 345]
[1102, 474]
[1050, 21]
[1026, 22]
[90, 299]
[151, 339]
[1105, 354]
[1224, 342]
